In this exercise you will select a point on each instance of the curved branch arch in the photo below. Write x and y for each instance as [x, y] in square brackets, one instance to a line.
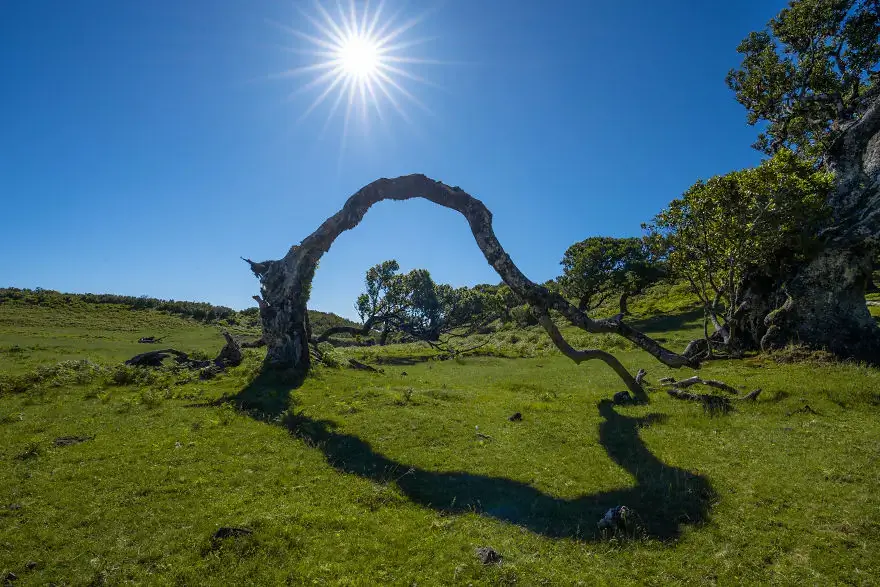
[286, 283]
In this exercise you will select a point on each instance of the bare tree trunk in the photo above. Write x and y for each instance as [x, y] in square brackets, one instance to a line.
[285, 317]
[286, 283]
[706, 333]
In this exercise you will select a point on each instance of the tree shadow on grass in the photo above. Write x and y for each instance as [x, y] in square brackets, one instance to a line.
[664, 497]
[668, 322]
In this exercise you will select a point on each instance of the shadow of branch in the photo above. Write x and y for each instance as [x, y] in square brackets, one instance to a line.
[666, 498]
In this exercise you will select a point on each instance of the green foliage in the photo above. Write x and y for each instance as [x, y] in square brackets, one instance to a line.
[673, 297]
[201, 311]
[753, 218]
[808, 72]
[70, 372]
[330, 356]
[414, 305]
[153, 398]
[522, 315]
[321, 321]
[600, 266]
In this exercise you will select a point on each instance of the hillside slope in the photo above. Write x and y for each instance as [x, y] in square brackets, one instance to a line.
[112, 475]
[44, 326]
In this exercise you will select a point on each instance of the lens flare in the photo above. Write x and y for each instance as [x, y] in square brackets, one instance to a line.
[360, 57]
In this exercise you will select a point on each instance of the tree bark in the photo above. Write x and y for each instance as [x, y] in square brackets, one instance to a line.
[825, 308]
[820, 302]
[584, 304]
[286, 283]
[624, 307]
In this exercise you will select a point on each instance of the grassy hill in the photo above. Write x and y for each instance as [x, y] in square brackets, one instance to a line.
[357, 478]
[44, 326]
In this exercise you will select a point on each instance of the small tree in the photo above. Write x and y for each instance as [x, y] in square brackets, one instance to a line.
[721, 228]
[599, 267]
[384, 299]
[413, 305]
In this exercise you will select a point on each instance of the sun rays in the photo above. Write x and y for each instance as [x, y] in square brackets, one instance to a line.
[361, 62]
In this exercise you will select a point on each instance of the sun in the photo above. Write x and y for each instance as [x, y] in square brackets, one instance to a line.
[358, 57]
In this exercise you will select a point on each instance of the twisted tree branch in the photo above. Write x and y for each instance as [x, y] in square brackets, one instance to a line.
[589, 354]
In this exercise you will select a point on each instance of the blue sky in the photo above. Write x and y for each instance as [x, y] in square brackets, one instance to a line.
[146, 146]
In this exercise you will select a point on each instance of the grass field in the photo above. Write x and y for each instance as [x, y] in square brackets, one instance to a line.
[356, 478]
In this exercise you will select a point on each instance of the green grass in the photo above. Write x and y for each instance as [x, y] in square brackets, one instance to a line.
[35, 335]
[360, 479]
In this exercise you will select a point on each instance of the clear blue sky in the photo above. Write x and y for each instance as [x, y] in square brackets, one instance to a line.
[145, 146]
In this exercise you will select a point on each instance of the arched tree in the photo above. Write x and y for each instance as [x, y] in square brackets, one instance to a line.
[286, 283]
[811, 79]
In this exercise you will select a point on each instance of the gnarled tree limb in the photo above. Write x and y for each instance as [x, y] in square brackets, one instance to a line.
[588, 354]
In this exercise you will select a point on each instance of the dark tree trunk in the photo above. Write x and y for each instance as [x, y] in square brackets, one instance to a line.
[820, 302]
[821, 306]
[584, 304]
[624, 308]
[286, 285]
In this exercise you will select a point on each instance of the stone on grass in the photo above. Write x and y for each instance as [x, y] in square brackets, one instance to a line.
[488, 555]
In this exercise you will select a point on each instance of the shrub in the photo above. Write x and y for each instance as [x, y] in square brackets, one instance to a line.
[330, 356]
[152, 398]
[63, 373]
[226, 414]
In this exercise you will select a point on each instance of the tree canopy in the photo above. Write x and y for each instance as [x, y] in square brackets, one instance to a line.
[757, 217]
[413, 305]
[813, 69]
[598, 267]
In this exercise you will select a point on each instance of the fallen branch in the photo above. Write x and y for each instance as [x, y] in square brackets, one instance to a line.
[685, 383]
[640, 376]
[229, 356]
[805, 410]
[751, 397]
[711, 403]
[155, 358]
